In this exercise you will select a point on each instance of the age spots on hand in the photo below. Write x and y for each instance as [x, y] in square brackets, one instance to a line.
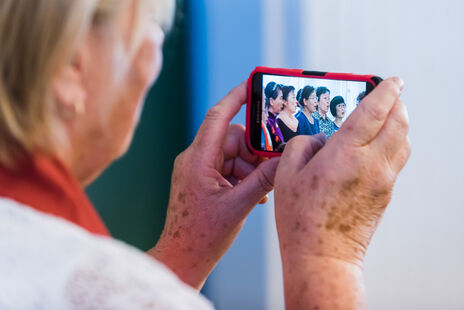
[344, 228]
[181, 197]
[315, 183]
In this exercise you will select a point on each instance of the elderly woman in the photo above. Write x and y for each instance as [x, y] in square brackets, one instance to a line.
[73, 76]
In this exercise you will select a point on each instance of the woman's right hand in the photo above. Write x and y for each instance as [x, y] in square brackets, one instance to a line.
[216, 183]
[329, 202]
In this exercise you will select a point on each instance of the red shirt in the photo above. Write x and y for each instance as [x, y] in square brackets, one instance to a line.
[47, 186]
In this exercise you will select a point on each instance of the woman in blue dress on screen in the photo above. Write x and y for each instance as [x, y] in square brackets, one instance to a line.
[286, 120]
[308, 102]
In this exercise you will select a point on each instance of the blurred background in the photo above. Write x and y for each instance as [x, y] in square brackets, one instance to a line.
[416, 257]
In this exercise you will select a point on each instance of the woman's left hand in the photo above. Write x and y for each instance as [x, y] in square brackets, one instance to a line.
[216, 182]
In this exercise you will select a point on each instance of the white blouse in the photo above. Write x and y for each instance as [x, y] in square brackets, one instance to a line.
[49, 263]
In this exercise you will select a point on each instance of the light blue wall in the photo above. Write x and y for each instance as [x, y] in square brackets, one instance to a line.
[293, 40]
[226, 46]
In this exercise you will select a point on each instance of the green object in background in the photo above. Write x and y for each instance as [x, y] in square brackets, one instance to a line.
[132, 195]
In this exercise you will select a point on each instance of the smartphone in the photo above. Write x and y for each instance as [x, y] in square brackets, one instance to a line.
[284, 103]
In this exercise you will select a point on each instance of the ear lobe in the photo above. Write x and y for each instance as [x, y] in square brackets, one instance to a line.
[67, 86]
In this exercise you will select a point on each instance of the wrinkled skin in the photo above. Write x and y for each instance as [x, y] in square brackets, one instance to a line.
[330, 200]
[216, 183]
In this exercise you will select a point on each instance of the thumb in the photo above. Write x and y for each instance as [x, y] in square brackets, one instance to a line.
[255, 186]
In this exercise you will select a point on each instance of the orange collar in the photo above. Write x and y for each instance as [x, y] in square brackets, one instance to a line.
[47, 186]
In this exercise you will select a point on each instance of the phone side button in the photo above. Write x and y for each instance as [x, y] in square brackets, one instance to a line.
[314, 73]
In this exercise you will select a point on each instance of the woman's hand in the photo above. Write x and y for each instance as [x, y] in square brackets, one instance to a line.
[216, 182]
[329, 202]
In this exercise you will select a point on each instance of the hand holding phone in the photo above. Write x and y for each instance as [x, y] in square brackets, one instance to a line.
[329, 200]
[284, 103]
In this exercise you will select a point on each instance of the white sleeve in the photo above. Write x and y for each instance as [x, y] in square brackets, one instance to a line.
[48, 263]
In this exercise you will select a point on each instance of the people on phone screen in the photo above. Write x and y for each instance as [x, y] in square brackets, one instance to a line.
[360, 97]
[286, 115]
[326, 125]
[287, 121]
[338, 108]
[274, 105]
[308, 103]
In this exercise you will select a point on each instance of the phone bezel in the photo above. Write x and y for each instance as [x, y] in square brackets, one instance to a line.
[255, 94]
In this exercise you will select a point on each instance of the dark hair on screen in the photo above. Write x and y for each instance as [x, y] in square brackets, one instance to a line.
[286, 90]
[361, 96]
[320, 91]
[305, 93]
[271, 91]
[298, 96]
[333, 104]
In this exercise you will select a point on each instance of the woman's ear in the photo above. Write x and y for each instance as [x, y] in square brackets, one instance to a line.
[68, 88]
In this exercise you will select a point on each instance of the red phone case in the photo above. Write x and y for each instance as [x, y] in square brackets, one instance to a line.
[374, 80]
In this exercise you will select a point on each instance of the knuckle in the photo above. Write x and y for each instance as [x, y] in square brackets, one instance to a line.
[407, 149]
[383, 179]
[404, 116]
[391, 86]
[408, 144]
[400, 118]
[265, 182]
[214, 112]
[179, 160]
[403, 123]
[374, 111]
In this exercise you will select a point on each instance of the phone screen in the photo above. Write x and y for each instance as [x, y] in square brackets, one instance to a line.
[288, 106]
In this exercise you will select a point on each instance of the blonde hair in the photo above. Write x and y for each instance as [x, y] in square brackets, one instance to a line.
[36, 38]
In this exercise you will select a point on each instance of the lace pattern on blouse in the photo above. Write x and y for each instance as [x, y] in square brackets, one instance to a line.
[49, 263]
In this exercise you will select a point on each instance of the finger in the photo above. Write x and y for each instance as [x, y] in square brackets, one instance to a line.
[401, 157]
[391, 137]
[254, 187]
[210, 136]
[235, 145]
[366, 121]
[299, 151]
[237, 168]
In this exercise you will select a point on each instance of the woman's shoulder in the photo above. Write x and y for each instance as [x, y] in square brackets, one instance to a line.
[50, 263]
[300, 115]
[302, 118]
